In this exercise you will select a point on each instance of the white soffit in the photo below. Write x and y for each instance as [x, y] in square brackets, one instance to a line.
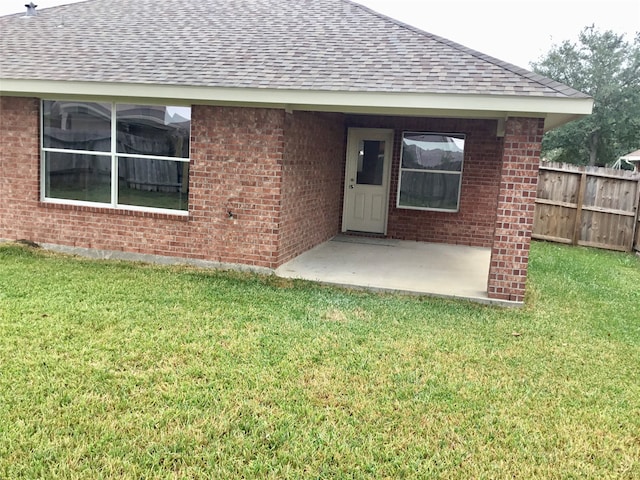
[556, 111]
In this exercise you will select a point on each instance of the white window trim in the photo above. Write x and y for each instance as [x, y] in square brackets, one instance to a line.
[114, 166]
[447, 172]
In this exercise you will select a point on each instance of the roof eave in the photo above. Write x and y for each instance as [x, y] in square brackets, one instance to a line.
[556, 110]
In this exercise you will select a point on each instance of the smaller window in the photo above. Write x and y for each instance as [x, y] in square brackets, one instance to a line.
[431, 171]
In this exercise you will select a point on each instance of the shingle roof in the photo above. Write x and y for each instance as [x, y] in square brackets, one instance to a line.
[326, 45]
[634, 154]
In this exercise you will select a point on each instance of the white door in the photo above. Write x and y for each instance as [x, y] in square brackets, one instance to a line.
[366, 194]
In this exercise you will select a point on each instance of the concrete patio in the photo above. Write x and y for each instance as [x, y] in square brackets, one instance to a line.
[453, 271]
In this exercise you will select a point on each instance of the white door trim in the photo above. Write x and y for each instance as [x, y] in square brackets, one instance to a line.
[354, 135]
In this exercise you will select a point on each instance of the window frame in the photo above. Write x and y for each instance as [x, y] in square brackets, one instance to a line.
[425, 171]
[113, 154]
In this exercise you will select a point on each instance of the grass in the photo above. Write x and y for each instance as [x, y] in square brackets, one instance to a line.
[121, 370]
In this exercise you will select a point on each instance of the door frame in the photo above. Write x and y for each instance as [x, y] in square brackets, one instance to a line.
[354, 135]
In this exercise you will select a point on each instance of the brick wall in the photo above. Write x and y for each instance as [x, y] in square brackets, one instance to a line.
[236, 166]
[312, 181]
[266, 185]
[474, 223]
[236, 182]
[19, 161]
[516, 208]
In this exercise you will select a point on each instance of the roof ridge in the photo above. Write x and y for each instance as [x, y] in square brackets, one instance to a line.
[523, 72]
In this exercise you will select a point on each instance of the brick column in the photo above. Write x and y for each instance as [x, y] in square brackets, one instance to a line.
[516, 207]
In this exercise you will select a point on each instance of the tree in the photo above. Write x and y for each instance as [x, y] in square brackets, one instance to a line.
[606, 67]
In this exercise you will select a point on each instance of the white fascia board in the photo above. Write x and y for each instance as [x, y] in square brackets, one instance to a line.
[399, 103]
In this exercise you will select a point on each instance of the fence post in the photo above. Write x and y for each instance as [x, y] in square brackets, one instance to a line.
[580, 203]
[635, 237]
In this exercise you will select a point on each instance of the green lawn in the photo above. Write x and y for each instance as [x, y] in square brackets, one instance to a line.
[120, 370]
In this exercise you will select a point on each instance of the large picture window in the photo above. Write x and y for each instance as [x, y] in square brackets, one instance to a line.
[431, 171]
[117, 155]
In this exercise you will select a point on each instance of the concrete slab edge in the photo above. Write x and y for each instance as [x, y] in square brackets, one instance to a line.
[99, 254]
[207, 264]
[481, 300]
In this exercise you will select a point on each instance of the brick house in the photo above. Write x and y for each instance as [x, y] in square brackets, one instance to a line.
[247, 132]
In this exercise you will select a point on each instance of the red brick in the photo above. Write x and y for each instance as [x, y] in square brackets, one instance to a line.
[516, 206]
[282, 176]
[206, 233]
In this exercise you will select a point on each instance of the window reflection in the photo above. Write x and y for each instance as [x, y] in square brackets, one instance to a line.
[370, 162]
[432, 152]
[76, 125]
[153, 130]
[76, 176]
[148, 159]
[153, 183]
[431, 171]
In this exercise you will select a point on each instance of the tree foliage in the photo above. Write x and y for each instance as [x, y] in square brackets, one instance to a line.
[606, 67]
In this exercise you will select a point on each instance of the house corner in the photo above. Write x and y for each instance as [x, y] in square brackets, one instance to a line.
[516, 209]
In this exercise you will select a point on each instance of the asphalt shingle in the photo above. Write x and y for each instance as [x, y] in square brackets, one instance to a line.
[326, 45]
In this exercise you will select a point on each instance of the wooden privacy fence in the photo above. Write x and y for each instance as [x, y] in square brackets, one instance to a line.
[590, 206]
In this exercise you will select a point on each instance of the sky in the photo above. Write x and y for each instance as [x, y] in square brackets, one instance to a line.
[516, 31]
